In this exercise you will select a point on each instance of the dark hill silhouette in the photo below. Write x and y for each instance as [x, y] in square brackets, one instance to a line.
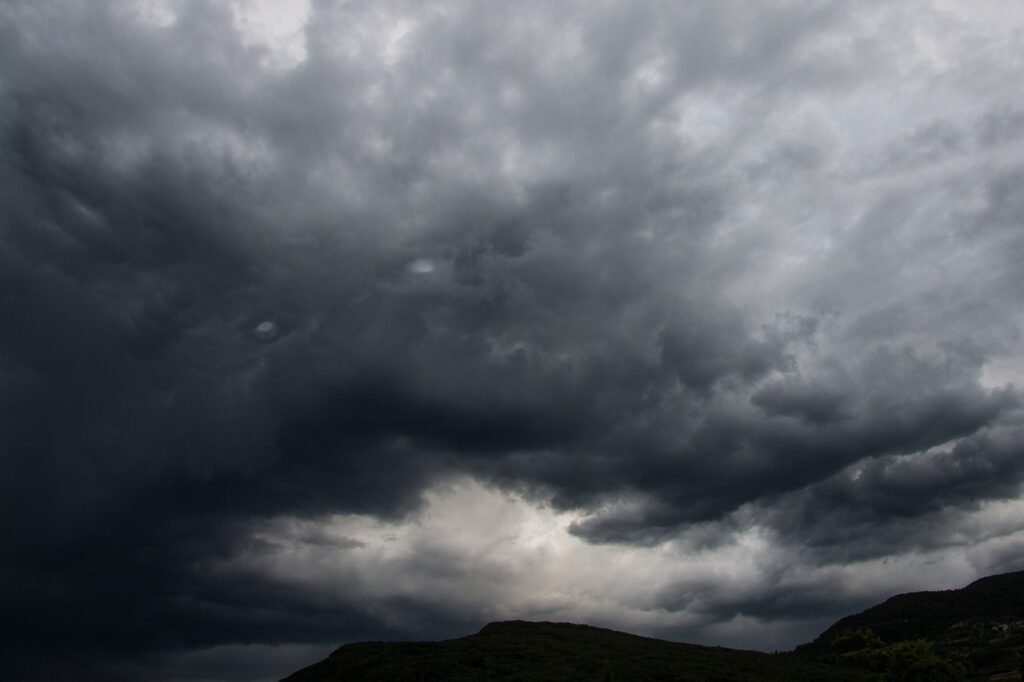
[518, 650]
[931, 615]
[974, 633]
[979, 627]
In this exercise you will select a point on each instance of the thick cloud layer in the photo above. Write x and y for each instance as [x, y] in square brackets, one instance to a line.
[722, 297]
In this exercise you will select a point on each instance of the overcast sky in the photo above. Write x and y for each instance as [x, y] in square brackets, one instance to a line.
[328, 321]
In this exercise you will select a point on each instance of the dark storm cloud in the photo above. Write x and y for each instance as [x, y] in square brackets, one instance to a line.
[232, 292]
[866, 511]
[771, 601]
[817, 404]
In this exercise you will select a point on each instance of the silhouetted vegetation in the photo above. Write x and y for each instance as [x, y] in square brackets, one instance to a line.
[967, 634]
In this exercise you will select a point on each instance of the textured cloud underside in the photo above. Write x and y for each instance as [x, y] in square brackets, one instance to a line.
[721, 295]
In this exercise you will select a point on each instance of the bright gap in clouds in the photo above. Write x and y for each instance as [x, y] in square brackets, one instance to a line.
[277, 27]
[485, 554]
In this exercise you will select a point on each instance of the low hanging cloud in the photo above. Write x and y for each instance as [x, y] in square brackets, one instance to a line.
[302, 296]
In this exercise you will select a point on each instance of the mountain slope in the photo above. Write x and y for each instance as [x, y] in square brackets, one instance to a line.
[519, 650]
[931, 615]
[980, 627]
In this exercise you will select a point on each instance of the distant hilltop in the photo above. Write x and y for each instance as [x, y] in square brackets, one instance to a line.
[974, 633]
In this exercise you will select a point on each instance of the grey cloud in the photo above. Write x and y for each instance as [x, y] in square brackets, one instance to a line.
[769, 601]
[904, 404]
[816, 404]
[551, 247]
[931, 143]
[874, 508]
[1000, 126]
[703, 349]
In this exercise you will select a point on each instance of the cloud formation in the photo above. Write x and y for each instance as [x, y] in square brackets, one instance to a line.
[667, 288]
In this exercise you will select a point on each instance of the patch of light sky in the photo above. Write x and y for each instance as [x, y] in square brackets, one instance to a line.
[514, 558]
[276, 25]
